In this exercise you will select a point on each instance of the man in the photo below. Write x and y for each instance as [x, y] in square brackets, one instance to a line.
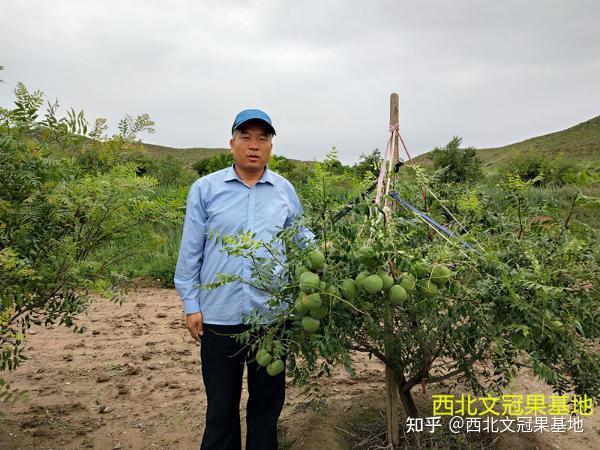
[245, 196]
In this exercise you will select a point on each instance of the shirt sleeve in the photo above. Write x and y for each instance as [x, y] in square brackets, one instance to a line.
[304, 236]
[189, 262]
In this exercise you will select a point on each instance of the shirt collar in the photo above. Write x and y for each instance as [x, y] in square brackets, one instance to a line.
[267, 176]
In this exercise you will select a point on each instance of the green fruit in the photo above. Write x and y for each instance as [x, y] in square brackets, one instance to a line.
[299, 306]
[319, 313]
[388, 281]
[309, 282]
[300, 269]
[332, 290]
[440, 275]
[310, 325]
[398, 294]
[420, 269]
[349, 289]
[408, 282]
[333, 293]
[315, 260]
[366, 254]
[263, 357]
[427, 288]
[275, 368]
[361, 277]
[312, 301]
[372, 284]
[322, 285]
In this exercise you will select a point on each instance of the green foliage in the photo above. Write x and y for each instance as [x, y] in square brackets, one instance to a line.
[579, 145]
[332, 162]
[168, 171]
[546, 172]
[9, 394]
[528, 297]
[62, 227]
[101, 153]
[461, 164]
[369, 163]
[282, 165]
[212, 164]
[296, 173]
[160, 264]
[327, 186]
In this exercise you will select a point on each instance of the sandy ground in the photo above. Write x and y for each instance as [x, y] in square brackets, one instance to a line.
[132, 381]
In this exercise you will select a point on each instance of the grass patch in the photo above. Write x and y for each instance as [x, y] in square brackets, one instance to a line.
[188, 156]
[367, 429]
[580, 145]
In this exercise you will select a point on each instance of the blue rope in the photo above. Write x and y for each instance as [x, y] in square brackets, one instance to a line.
[429, 220]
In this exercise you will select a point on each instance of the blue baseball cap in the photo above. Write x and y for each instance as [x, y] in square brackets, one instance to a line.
[252, 114]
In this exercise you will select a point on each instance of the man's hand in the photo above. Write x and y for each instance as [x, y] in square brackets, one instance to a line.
[194, 324]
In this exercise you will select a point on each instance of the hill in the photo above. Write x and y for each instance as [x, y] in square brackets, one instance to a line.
[579, 144]
[186, 155]
[190, 155]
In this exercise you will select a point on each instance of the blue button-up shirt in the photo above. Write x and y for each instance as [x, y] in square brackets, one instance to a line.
[221, 202]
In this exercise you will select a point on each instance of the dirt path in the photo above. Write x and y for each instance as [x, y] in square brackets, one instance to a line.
[132, 381]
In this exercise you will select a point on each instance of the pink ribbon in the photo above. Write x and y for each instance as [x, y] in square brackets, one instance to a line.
[387, 161]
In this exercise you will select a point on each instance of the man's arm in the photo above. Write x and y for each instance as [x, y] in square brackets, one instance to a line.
[189, 261]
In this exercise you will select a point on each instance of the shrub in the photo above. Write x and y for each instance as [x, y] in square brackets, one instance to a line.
[168, 171]
[554, 173]
[212, 164]
[461, 164]
[62, 229]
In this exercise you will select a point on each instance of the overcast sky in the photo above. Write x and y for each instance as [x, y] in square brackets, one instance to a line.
[493, 72]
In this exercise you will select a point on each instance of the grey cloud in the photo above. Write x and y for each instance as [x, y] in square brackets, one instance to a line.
[493, 72]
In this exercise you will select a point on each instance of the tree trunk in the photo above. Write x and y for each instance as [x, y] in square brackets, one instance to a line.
[407, 401]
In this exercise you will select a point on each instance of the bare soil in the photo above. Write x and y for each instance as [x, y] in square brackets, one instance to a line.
[132, 381]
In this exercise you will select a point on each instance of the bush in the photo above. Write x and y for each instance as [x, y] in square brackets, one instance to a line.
[461, 164]
[554, 173]
[212, 164]
[168, 171]
[62, 229]
[369, 163]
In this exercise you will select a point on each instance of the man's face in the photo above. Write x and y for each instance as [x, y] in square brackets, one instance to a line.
[251, 148]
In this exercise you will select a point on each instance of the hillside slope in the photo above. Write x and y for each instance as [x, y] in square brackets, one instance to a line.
[579, 144]
[186, 155]
[190, 155]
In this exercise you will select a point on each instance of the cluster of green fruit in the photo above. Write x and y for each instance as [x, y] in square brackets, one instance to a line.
[269, 356]
[419, 279]
[310, 303]
[423, 279]
[316, 298]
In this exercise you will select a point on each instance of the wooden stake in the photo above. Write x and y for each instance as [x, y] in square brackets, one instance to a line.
[394, 107]
[393, 420]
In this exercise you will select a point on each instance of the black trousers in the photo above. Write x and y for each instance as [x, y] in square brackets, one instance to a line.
[223, 360]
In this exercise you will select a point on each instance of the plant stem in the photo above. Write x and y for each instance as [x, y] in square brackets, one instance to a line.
[520, 218]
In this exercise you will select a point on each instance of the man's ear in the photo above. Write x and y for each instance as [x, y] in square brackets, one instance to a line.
[231, 145]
